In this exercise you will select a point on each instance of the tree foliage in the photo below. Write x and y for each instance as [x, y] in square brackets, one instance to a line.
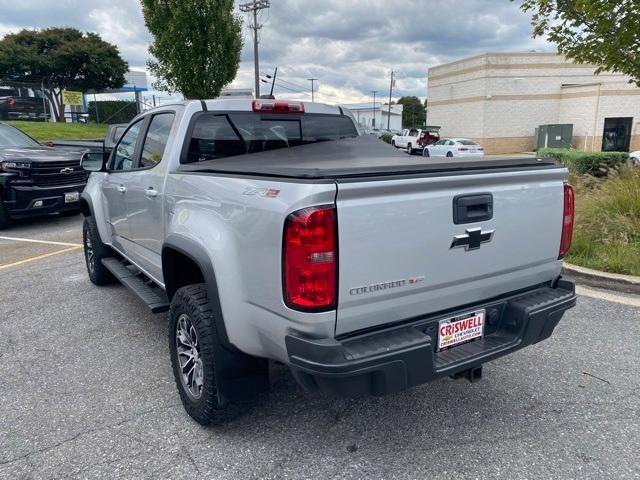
[601, 32]
[197, 45]
[61, 58]
[413, 113]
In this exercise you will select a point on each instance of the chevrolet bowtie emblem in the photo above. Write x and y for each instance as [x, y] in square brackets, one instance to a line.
[472, 239]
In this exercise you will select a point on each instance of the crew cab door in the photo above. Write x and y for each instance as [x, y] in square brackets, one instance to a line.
[116, 184]
[145, 194]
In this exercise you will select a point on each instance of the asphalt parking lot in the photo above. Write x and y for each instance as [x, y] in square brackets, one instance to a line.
[86, 391]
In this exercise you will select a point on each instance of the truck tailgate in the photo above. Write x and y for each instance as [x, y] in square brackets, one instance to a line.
[396, 235]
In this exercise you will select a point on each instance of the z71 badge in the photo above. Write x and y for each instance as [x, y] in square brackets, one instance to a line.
[262, 192]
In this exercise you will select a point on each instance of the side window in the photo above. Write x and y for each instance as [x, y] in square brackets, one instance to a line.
[156, 139]
[413, 133]
[125, 150]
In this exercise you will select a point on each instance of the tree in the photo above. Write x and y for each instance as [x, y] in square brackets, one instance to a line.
[61, 58]
[197, 45]
[601, 32]
[413, 113]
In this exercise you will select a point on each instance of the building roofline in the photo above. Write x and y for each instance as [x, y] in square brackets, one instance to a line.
[494, 54]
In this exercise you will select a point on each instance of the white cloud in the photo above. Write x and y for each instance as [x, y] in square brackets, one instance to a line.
[350, 46]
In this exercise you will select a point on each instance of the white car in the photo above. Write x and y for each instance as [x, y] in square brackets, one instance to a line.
[635, 158]
[454, 147]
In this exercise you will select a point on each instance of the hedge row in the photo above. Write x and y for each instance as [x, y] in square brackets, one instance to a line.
[386, 137]
[112, 111]
[596, 164]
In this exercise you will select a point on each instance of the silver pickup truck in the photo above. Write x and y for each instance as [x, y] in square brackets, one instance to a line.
[275, 230]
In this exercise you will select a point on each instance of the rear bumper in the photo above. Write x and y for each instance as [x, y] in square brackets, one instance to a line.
[399, 357]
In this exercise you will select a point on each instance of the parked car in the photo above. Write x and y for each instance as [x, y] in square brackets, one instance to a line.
[114, 132]
[36, 179]
[20, 104]
[414, 139]
[635, 158]
[454, 147]
[229, 213]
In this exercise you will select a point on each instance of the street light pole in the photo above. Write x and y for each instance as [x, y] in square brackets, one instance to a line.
[389, 110]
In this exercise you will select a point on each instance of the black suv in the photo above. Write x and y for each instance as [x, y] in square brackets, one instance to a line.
[36, 179]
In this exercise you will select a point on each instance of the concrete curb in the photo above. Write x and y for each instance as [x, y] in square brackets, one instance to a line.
[609, 281]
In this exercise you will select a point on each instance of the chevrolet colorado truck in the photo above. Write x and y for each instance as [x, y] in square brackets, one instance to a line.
[276, 230]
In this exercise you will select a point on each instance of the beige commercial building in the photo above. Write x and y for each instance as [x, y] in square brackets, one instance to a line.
[499, 99]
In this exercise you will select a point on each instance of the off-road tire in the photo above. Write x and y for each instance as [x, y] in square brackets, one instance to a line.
[192, 300]
[5, 221]
[94, 252]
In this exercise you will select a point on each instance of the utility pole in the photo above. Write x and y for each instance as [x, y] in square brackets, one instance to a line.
[389, 111]
[275, 74]
[374, 108]
[254, 7]
[312, 80]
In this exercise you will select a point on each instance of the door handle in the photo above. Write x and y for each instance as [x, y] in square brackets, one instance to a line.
[151, 193]
[472, 208]
[122, 188]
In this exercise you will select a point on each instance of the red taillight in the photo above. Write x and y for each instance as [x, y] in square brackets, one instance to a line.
[567, 221]
[11, 102]
[271, 106]
[310, 259]
[463, 149]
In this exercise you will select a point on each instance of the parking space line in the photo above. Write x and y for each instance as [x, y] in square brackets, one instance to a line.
[39, 257]
[46, 242]
[610, 297]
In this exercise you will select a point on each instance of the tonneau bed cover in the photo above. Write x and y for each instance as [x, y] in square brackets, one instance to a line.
[364, 156]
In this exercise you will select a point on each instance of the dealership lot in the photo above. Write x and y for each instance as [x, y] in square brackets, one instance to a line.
[86, 391]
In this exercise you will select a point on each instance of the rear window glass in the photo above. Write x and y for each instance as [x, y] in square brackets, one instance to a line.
[467, 142]
[219, 135]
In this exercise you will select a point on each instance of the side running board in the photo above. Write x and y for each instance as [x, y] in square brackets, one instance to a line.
[147, 291]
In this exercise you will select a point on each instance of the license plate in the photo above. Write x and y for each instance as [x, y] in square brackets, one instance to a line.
[71, 197]
[460, 329]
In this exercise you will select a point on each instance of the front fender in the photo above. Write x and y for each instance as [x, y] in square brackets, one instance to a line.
[92, 205]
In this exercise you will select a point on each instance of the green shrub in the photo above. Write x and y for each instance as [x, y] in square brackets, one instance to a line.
[386, 137]
[597, 164]
[607, 226]
[113, 111]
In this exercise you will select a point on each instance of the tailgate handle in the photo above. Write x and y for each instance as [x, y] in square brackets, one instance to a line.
[476, 207]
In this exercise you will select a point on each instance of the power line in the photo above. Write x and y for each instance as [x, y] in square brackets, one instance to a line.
[254, 7]
[303, 89]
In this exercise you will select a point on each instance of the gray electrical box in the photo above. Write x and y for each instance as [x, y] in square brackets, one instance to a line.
[553, 136]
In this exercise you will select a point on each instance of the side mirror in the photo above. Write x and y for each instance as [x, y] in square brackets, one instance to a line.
[93, 161]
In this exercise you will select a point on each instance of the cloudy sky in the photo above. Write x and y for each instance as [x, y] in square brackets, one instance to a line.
[349, 45]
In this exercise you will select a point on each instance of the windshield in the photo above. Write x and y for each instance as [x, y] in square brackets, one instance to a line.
[220, 135]
[12, 137]
[466, 142]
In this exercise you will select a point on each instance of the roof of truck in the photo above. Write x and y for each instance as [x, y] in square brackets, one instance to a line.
[363, 156]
